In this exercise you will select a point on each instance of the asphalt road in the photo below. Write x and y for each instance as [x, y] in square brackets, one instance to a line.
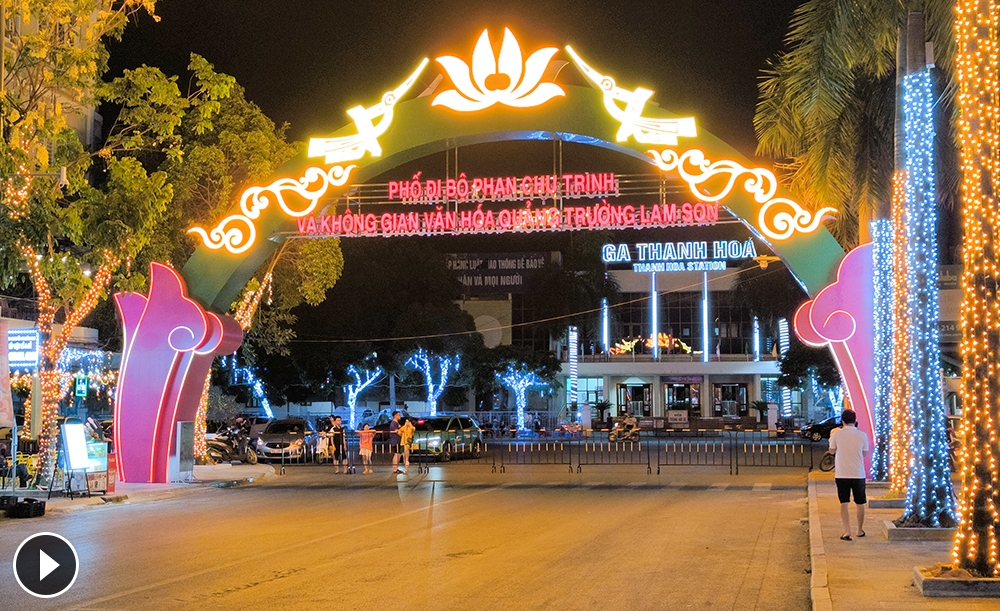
[459, 537]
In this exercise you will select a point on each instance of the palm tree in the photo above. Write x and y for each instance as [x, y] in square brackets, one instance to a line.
[826, 107]
[975, 546]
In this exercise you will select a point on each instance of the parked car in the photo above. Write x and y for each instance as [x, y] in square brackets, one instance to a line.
[443, 437]
[820, 430]
[291, 438]
[256, 424]
[380, 422]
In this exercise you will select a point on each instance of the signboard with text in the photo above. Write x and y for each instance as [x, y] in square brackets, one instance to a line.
[22, 348]
[495, 273]
[690, 256]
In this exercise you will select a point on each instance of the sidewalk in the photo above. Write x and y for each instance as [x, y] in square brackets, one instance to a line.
[205, 477]
[870, 573]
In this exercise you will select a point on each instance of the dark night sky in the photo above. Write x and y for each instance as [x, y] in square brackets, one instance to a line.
[306, 61]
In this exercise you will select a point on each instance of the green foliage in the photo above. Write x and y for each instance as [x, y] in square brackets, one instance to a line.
[394, 296]
[827, 104]
[491, 361]
[801, 362]
[769, 293]
[566, 293]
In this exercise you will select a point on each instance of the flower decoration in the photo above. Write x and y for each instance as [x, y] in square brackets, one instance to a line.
[505, 79]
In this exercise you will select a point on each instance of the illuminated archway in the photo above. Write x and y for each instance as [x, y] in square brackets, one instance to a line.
[498, 95]
[394, 132]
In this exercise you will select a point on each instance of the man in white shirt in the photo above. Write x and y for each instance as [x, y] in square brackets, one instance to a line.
[849, 446]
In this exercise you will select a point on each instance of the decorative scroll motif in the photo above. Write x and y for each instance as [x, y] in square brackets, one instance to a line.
[644, 130]
[842, 317]
[779, 218]
[169, 343]
[497, 79]
[237, 232]
[352, 148]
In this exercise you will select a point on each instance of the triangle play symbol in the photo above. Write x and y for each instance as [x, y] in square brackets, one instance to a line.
[45, 565]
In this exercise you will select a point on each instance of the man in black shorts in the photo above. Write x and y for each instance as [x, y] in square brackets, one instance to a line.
[849, 446]
[338, 443]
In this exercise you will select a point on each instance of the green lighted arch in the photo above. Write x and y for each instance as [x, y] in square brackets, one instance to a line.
[418, 129]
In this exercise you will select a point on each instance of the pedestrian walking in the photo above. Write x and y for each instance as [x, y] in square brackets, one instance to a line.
[405, 439]
[365, 438]
[849, 446]
[394, 441]
[338, 443]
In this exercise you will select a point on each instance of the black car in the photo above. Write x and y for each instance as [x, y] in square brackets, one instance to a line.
[820, 430]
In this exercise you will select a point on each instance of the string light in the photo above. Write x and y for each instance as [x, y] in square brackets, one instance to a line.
[928, 489]
[882, 261]
[899, 440]
[519, 381]
[353, 391]
[421, 361]
[783, 345]
[976, 66]
[53, 344]
[201, 421]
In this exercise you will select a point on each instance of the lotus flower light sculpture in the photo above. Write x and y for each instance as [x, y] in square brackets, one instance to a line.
[497, 79]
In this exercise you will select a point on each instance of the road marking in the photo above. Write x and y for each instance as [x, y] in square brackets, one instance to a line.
[762, 487]
[720, 486]
[276, 552]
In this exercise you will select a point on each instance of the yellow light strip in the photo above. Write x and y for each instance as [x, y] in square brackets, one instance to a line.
[899, 439]
[976, 64]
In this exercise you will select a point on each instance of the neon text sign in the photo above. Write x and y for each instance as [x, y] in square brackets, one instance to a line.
[691, 256]
[503, 188]
[526, 219]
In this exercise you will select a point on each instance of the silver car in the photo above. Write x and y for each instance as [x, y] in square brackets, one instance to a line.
[290, 438]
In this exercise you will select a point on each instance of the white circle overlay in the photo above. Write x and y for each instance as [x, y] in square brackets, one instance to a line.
[76, 571]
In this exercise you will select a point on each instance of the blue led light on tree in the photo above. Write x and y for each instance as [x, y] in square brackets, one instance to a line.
[882, 255]
[929, 497]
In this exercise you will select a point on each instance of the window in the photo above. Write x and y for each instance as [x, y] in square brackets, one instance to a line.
[589, 391]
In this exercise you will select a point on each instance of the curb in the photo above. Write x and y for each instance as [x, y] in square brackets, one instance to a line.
[819, 584]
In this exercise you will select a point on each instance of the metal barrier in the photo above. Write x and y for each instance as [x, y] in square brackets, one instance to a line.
[692, 448]
[696, 447]
[531, 452]
[756, 449]
[614, 453]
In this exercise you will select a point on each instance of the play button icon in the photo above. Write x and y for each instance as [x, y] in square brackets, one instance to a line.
[45, 565]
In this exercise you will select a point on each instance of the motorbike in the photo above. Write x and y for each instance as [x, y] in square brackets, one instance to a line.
[624, 431]
[232, 445]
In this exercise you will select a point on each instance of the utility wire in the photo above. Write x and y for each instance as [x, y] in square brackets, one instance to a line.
[521, 324]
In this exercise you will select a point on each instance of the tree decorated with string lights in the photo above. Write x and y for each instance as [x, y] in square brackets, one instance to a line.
[74, 220]
[976, 33]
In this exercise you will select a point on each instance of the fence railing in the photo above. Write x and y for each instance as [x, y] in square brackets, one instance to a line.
[709, 448]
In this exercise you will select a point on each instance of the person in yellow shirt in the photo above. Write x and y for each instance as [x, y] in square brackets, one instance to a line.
[405, 440]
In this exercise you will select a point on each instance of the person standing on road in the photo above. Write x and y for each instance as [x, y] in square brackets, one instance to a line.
[394, 441]
[405, 439]
[338, 444]
[849, 446]
[365, 438]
